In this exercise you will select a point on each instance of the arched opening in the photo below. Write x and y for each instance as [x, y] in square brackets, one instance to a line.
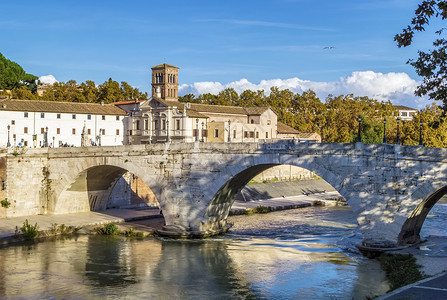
[269, 182]
[410, 232]
[318, 235]
[130, 191]
[104, 187]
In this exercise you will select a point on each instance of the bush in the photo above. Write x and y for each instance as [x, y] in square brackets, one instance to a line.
[262, 209]
[63, 229]
[400, 269]
[29, 231]
[5, 203]
[107, 229]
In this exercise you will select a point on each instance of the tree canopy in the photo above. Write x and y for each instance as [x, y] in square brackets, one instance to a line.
[13, 76]
[431, 64]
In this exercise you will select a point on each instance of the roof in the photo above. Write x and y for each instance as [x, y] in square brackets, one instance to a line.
[401, 107]
[283, 128]
[60, 107]
[208, 108]
[307, 135]
[164, 66]
[127, 102]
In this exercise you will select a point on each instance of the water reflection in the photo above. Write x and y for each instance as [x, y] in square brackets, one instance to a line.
[288, 261]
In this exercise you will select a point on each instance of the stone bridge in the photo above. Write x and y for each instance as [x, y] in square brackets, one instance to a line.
[389, 188]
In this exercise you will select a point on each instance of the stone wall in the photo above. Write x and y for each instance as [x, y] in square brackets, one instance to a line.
[284, 173]
[390, 188]
[130, 191]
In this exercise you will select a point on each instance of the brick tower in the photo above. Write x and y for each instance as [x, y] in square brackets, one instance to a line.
[165, 82]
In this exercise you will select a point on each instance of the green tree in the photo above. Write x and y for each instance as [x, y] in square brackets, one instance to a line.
[110, 91]
[23, 93]
[13, 76]
[431, 64]
[89, 91]
[188, 98]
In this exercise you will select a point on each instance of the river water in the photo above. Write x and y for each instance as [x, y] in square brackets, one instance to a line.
[296, 254]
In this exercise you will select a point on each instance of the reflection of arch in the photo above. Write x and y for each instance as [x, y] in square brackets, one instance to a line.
[89, 190]
[411, 229]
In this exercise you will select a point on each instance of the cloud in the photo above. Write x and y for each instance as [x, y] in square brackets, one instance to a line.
[264, 24]
[48, 79]
[397, 87]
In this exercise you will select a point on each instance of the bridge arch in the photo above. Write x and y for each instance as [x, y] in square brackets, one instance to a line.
[89, 189]
[234, 177]
[411, 228]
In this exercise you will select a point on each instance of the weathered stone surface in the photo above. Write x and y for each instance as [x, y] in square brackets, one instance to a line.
[390, 188]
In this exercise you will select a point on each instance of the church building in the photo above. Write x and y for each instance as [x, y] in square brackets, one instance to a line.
[162, 118]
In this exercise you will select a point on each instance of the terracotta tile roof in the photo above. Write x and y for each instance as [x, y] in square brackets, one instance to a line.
[285, 129]
[307, 135]
[401, 107]
[127, 102]
[207, 108]
[60, 107]
[163, 66]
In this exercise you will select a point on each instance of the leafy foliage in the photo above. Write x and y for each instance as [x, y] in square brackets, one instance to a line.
[107, 229]
[336, 118]
[13, 76]
[29, 231]
[400, 269]
[431, 64]
[5, 203]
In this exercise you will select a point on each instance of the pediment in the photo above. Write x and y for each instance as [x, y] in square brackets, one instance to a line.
[153, 103]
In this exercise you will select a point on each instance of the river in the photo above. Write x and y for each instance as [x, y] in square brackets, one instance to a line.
[297, 254]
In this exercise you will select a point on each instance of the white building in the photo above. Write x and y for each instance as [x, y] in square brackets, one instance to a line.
[33, 123]
[405, 113]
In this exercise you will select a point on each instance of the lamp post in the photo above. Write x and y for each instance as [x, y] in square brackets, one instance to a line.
[99, 136]
[384, 132]
[420, 134]
[359, 136]
[197, 130]
[203, 126]
[397, 139]
[8, 144]
[45, 137]
[229, 131]
[167, 131]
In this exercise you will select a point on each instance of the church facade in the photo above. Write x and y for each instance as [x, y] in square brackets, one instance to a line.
[162, 118]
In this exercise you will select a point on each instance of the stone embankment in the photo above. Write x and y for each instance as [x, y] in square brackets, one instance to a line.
[286, 195]
[274, 195]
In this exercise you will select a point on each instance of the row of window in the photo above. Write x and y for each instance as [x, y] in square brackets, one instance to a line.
[73, 116]
[247, 134]
[73, 131]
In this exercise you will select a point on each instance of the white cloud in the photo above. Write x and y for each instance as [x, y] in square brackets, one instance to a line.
[48, 79]
[397, 87]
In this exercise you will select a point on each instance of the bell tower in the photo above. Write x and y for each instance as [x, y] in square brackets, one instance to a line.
[165, 82]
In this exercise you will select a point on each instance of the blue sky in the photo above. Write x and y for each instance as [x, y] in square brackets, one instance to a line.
[218, 44]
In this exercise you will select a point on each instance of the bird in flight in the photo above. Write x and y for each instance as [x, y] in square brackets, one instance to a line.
[329, 47]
